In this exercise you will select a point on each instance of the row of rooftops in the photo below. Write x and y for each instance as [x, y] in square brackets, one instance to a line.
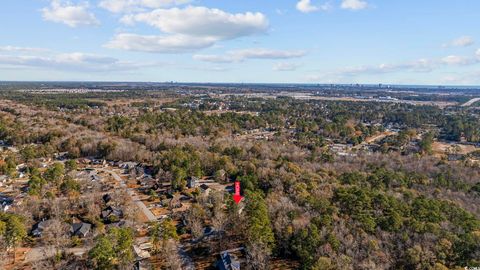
[109, 215]
[80, 229]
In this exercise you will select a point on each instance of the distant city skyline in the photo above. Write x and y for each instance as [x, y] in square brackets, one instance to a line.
[293, 41]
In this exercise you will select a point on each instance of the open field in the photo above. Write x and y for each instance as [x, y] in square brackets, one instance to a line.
[443, 147]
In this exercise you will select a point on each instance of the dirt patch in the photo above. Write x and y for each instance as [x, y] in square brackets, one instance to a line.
[442, 148]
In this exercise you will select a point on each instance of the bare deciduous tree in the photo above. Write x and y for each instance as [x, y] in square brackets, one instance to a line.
[55, 237]
[257, 256]
[172, 256]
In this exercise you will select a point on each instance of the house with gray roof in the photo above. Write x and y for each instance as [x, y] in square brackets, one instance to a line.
[38, 228]
[228, 262]
[81, 229]
[5, 202]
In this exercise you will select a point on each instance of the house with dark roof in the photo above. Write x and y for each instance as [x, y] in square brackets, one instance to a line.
[128, 167]
[5, 202]
[81, 229]
[148, 169]
[38, 228]
[228, 261]
[99, 162]
[204, 189]
[455, 157]
[192, 182]
[61, 156]
[147, 182]
[107, 198]
[90, 174]
[111, 215]
[208, 231]
[230, 189]
[142, 265]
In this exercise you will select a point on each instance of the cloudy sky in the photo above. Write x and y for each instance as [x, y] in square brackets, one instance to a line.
[298, 41]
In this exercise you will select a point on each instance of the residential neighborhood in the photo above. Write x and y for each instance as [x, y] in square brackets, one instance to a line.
[204, 178]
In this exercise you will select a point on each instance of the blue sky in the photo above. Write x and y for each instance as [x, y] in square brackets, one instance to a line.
[284, 41]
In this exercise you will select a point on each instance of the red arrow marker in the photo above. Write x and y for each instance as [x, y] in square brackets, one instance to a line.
[237, 197]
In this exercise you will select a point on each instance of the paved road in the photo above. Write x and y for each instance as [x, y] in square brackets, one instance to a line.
[470, 102]
[150, 216]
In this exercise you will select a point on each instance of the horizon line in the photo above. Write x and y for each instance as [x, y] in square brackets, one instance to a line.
[254, 83]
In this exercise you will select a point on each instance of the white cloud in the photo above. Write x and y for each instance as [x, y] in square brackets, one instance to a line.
[188, 29]
[69, 14]
[306, 6]
[212, 58]
[463, 41]
[421, 65]
[280, 11]
[354, 4]
[70, 61]
[462, 78]
[455, 79]
[285, 66]
[203, 22]
[159, 44]
[458, 60]
[208, 68]
[21, 49]
[255, 53]
[123, 6]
